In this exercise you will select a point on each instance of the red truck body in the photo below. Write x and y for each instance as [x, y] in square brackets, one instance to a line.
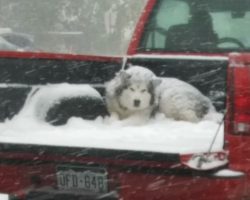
[31, 171]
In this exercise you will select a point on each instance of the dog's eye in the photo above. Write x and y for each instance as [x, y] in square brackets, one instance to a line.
[132, 89]
[144, 90]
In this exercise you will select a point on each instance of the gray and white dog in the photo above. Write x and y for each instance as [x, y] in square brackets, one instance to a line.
[132, 93]
[181, 101]
[138, 92]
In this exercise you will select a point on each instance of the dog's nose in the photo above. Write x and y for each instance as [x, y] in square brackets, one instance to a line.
[137, 103]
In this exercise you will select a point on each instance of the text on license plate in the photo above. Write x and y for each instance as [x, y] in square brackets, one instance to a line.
[81, 178]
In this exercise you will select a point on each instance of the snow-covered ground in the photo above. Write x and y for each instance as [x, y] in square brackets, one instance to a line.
[157, 135]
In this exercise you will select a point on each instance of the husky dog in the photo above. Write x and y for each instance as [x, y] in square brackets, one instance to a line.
[182, 101]
[138, 92]
[131, 93]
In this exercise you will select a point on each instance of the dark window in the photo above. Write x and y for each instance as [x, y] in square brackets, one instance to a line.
[198, 26]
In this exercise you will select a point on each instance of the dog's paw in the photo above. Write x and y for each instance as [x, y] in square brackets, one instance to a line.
[113, 118]
[214, 116]
[135, 120]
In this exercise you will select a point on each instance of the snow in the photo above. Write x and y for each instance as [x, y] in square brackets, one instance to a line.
[4, 196]
[4, 44]
[228, 173]
[65, 32]
[41, 99]
[157, 135]
[5, 30]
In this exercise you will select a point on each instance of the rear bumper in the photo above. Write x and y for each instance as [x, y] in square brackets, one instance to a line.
[55, 195]
[146, 187]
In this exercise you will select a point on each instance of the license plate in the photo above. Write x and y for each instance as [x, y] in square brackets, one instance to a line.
[89, 179]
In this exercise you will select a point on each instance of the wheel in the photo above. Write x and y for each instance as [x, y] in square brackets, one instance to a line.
[88, 108]
[57, 103]
[231, 40]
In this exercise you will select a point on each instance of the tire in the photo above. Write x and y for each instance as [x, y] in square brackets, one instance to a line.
[86, 107]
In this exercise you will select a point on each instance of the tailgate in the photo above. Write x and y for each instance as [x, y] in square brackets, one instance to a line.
[90, 172]
[44, 172]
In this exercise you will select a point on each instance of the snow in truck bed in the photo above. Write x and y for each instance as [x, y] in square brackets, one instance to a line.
[157, 135]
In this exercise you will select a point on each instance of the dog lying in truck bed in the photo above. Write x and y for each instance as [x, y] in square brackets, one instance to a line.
[132, 94]
[137, 92]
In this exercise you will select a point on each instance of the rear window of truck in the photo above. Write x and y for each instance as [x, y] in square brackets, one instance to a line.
[64, 26]
[198, 26]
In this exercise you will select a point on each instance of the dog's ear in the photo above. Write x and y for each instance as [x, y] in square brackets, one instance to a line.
[124, 76]
[156, 82]
[118, 90]
[124, 81]
[129, 65]
[151, 88]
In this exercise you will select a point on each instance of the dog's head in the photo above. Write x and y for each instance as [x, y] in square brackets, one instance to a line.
[137, 89]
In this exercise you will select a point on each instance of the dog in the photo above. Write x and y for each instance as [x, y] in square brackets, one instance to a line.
[181, 101]
[138, 93]
[131, 94]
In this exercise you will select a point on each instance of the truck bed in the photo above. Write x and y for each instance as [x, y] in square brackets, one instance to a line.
[158, 135]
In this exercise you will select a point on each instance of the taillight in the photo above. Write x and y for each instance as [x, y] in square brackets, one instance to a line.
[238, 95]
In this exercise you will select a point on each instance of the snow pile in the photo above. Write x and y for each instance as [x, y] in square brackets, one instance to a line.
[158, 135]
[4, 196]
[10, 40]
[41, 99]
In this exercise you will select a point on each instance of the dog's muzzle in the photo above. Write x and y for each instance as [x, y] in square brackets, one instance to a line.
[137, 103]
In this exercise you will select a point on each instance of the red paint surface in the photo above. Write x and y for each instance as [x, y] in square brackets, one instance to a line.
[57, 56]
[17, 179]
[140, 27]
[151, 53]
[131, 185]
[238, 104]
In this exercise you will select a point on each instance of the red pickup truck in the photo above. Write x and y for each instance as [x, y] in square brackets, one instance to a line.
[205, 43]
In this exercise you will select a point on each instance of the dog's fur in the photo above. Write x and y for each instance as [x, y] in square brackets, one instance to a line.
[131, 93]
[182, 101]
[138, 92]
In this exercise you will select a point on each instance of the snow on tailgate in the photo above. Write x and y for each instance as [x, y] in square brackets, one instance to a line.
[159, 135]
